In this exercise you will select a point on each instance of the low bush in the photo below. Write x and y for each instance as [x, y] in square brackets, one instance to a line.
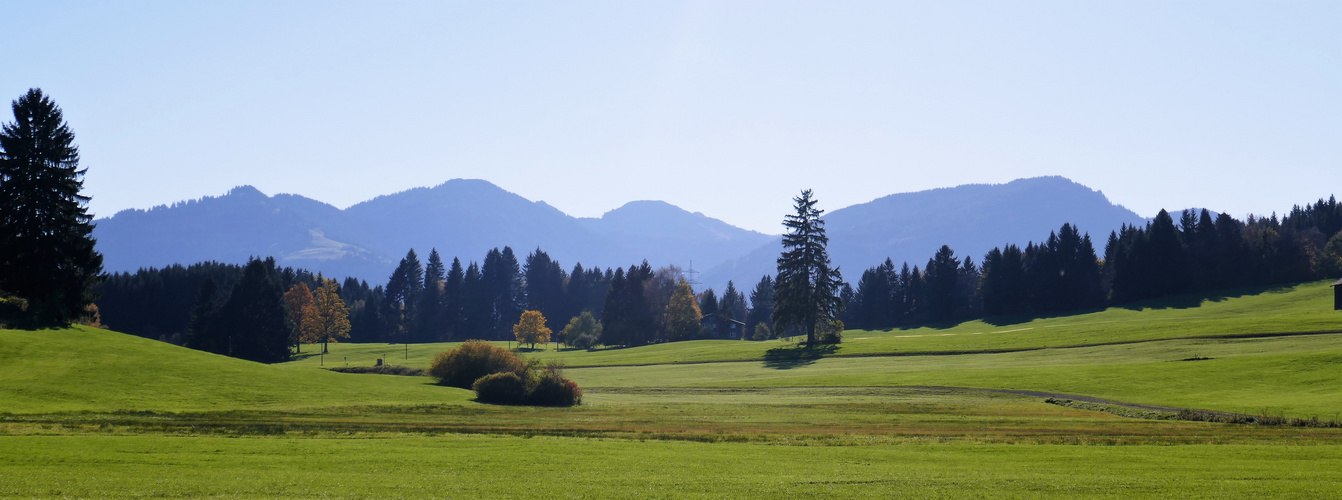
[462, 366]
[832, 333]
[501, 388]
[382, 370]
[762, 332]
[552, 389]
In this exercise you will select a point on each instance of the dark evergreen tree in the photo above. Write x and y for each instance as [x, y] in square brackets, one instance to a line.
[503, 281]
[428, 311]
[708, 302]
[761, 304]
[627, 319]
[254, 316]
[204, 335]
[402, 299]
[847, 296]
[47, 254]
[1167, 270]
[942, 276]
[915, 296]
[1003, 285]
[477, 305]
[545, 281]
[967, 287]
[614, 311]
[451, 314]
[807, 289]
[872, 305]
[732, 305]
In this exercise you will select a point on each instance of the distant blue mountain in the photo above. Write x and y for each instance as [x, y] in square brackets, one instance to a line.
[972, 219]
[461, 218]
[465, 218]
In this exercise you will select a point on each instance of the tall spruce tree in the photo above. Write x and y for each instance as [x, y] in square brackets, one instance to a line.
[545, 288]
[429, 311]
[253, 318]
[761, 304]
[402, 300]
[46, 245]
[452, 300]
[807, 289]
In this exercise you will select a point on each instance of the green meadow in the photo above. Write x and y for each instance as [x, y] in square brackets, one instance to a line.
[943, 411]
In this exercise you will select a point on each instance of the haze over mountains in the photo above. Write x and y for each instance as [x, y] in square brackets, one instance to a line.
[465, 218]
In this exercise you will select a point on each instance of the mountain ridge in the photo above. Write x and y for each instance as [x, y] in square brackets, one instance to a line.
[465, 217]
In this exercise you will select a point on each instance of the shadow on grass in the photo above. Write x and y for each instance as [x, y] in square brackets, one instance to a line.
[792, 356]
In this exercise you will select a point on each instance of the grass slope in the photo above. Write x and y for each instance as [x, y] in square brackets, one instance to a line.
[81, 368]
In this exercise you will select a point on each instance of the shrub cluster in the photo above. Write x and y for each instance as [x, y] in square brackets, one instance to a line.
[498, 376]
[533, 386]
[462, 366]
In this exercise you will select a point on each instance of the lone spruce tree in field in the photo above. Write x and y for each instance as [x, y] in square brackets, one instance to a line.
[806, 293]
[46, 243]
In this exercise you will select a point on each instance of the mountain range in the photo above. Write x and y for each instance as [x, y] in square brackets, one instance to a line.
[465, 218]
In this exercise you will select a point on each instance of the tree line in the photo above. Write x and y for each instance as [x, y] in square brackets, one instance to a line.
[1198, 253]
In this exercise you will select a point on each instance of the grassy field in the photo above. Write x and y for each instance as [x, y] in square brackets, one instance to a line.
[91, 413]
[491, 467]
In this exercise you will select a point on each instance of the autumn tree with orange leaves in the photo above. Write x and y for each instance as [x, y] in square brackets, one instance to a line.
[330, 322]
[531, 329]
[298, 301]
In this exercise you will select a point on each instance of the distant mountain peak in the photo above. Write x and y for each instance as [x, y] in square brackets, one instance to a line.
[246, 190]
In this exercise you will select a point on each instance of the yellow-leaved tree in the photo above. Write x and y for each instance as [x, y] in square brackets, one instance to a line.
[331, 321]
[682, 313]
[531, 329]
[298, 301]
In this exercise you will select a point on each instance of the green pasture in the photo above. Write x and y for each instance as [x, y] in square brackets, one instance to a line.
[462, 466]
[91, 413]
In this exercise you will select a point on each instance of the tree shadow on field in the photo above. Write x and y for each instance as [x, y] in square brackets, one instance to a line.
[793, 356]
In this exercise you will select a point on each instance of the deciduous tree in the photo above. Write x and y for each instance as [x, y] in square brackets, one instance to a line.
[531, 329]
[298, 302]
[330, 317]
[682, 314]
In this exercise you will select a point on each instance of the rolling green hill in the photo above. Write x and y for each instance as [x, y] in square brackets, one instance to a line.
[85, 368]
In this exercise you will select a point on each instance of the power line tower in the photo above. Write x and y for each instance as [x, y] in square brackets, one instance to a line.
[691, 276]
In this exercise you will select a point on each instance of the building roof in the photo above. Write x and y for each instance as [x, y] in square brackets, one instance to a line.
[716, 318]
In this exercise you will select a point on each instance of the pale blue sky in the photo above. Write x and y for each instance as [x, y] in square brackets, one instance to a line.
[728, 108]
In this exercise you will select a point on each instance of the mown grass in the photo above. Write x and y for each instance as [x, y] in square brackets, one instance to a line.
[789, 416]
[1303, 308]
[457, 466]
